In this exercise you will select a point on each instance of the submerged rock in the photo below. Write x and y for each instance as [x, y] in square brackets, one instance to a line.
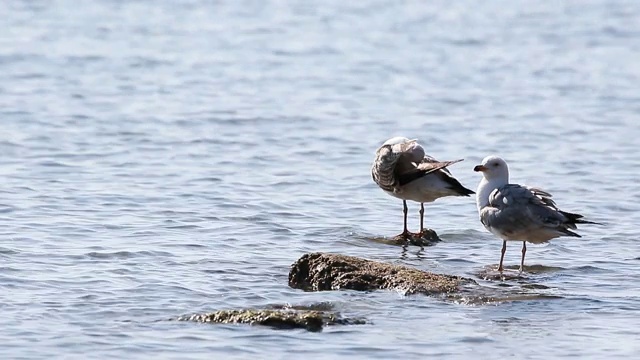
[427, 238]
[323, 271]
[311, 320]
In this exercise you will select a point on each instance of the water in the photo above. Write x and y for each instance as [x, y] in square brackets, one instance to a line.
[163, 158]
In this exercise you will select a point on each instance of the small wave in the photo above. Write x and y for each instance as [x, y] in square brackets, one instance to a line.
[476, 339]
[7, 251]
[124, 254]
[319, 306]
[56, 164]
[511, 272]
[195, 246]
[493, 299]
[4, 209]
[590, 269]
[183, 227]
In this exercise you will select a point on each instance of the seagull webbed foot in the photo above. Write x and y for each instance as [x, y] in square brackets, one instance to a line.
[406, 235]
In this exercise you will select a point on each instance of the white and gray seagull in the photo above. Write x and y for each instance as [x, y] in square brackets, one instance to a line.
[519, 213]
[403, 170]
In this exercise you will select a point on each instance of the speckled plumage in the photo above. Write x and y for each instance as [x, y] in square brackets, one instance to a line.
[398, 165]
[403, 170]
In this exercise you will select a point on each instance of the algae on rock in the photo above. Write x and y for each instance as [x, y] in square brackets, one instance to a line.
[324, 271]
[280, 319]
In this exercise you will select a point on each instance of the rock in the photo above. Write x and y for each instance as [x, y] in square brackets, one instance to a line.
[427, 238]
[323, 271]
[311, 320]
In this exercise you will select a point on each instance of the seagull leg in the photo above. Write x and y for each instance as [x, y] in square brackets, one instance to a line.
[421, 218]
[405, 233]
[426, 234]
[504, 249]
[524, 251]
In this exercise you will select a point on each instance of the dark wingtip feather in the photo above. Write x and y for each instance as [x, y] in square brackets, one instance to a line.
[467, 192]
[577, 218]
[457, 187]
[570, 233]
[587, 222]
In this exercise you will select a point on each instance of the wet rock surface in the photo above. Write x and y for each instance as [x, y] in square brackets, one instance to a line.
[324, 271]
[279, 318]
[427, 238]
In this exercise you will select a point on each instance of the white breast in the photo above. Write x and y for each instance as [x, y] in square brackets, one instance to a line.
[485, 188]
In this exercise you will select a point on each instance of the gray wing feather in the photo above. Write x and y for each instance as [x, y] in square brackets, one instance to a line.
[515, 208]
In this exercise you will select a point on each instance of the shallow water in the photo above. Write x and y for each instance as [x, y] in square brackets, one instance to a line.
[160, 159]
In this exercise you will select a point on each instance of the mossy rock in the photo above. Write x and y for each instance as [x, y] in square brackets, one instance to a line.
[311, 320]
[324, 271]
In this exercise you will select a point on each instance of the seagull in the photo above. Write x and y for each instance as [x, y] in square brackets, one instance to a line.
[403, 170]
[518, 212]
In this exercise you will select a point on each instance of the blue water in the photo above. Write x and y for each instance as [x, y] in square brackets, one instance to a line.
[162, 158]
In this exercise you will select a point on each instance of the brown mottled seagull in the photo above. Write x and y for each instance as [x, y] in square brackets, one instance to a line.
[515, 212]
[403, 170]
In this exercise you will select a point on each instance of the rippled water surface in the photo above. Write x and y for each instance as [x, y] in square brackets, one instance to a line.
[162, 158]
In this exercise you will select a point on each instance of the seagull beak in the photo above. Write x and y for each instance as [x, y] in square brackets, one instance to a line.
[480, 168]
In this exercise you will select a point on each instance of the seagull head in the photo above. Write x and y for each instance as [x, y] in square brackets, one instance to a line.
[493, 167]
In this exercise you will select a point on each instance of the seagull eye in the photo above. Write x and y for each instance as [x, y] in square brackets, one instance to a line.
[496, 165]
